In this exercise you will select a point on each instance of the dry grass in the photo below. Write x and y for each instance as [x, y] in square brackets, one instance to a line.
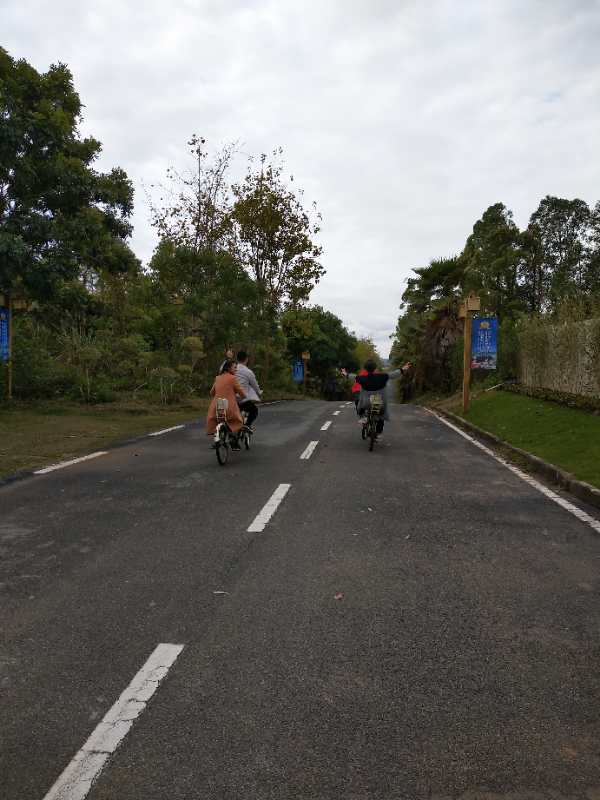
[32, 435]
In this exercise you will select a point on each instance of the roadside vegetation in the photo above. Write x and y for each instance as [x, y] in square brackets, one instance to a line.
[234, 265]
[566, 437]
[543, 277]
[36, 434]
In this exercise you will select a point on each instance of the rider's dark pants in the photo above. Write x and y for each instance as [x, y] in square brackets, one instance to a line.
[249, 406]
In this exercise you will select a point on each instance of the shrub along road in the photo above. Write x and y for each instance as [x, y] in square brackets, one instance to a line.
[417, 622]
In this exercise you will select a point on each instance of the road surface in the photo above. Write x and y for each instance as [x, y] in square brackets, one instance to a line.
[416, 622]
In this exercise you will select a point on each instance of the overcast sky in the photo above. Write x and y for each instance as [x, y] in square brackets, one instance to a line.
[403, 120]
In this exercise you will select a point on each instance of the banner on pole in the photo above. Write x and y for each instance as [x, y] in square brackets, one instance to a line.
[4, 334]
[484, 343]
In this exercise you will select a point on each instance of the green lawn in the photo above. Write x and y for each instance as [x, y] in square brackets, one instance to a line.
[566, 437]
[32, 435]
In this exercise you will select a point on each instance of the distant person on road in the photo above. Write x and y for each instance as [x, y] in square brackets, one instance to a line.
[356, 387]
[247, 380]
[374, 382]
[226, 386]
[407, 374]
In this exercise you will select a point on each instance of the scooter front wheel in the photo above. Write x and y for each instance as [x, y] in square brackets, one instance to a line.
[222, 451]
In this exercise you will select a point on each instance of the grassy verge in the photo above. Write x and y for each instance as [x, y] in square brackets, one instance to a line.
[566, 437]
[35, 434]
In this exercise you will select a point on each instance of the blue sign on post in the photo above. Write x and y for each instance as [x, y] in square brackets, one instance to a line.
[484, 343]
[4, 334]
[298, 372]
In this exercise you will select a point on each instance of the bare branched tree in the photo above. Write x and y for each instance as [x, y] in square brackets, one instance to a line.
[193, 209]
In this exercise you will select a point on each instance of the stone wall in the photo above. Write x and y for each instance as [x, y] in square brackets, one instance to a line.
[564, 358]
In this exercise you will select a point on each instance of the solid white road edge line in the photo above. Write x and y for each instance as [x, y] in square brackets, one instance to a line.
[167, 430]
[309, 451]
[326, 425]
[270, 507]
[77, 779]
[62, 464]
[570, 507]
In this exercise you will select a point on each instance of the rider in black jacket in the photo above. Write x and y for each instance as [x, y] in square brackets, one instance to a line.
[370, 383]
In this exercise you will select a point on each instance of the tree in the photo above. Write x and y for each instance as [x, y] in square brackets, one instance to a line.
[194, 207]
[324, 335]
[533, 279]
[365, 350]
[274, 236]
[490, 260]
[562, 227]
[203, 294]
[59, 218]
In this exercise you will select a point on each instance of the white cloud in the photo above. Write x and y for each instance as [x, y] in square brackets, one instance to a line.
[404, 120]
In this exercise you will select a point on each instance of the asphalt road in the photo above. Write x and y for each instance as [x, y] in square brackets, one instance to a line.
[416, 622]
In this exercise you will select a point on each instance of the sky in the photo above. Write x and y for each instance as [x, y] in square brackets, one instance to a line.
[403, 119]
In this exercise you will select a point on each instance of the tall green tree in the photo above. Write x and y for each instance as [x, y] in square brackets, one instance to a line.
[275, 236]
[490, 261]
[562, 227]
[205, 294]
[365, 350]
[324, 335]
[59, 217]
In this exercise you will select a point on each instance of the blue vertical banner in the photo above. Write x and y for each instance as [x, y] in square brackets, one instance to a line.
[4, 334]
[298, 372]
[484, 343]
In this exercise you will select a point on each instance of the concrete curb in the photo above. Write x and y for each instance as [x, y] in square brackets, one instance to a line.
[553, 474]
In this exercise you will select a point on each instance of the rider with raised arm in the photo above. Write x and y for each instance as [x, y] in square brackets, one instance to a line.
[247, 380]
[374, 382]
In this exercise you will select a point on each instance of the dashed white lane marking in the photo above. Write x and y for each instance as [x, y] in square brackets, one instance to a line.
[335, 413]
[573, 509]
[77, 779]
[62, 464]
[309, 451]
[167, 430]
[270, 507]
[326, 425]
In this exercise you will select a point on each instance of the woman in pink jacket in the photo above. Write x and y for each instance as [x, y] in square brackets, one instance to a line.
[227, 386]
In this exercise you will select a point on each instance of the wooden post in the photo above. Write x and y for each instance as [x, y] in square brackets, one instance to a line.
[467, 362]
[471, 303]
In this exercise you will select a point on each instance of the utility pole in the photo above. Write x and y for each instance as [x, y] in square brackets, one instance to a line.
[470, 304]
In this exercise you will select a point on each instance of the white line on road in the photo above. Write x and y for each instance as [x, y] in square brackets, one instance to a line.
[326, 425]
[270, 507]
[167, 430]
[573, 509]
[335, 413]
[309, 451]
[77, 779]
[62, 464]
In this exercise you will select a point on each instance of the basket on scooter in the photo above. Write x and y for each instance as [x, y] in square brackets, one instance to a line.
[222, 408]
[376, 401]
